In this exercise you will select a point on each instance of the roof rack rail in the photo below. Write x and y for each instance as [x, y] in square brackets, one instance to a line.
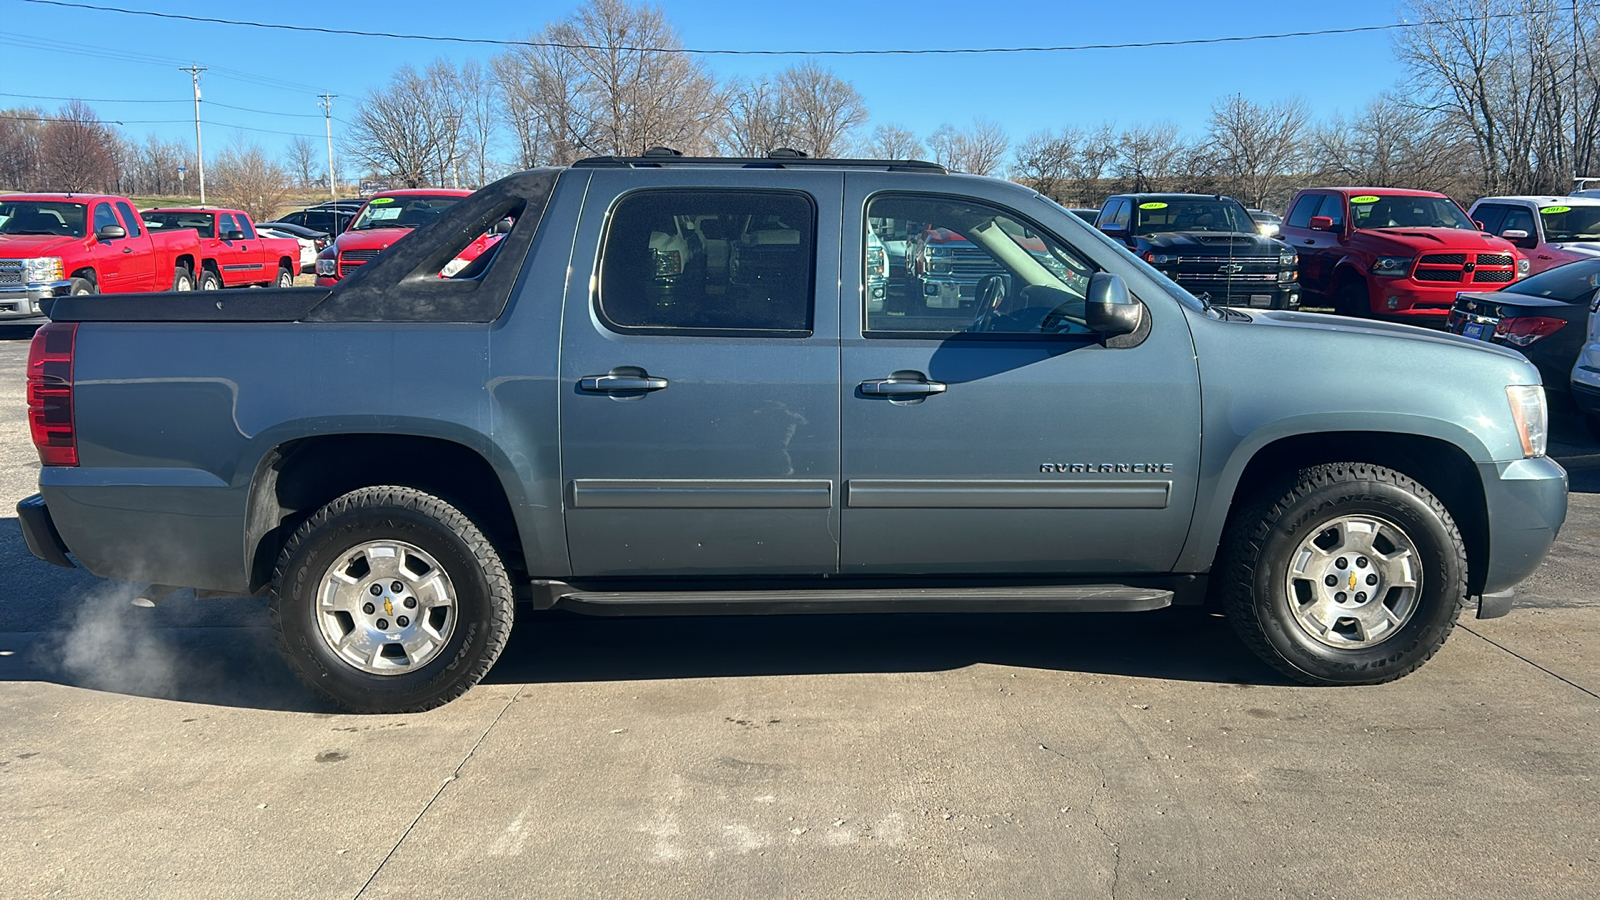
[653, 161]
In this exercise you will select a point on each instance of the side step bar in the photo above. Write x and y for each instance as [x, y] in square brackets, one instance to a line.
[1063, 598]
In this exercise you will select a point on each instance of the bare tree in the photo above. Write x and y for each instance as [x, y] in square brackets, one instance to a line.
[1150, 157]
[540, 86]
[21, 137]
[893, 142]
[1045, 160]
[304, 159]
[823, 109]
[478, 118]
[151, 167]
[757, 119]
[245, 177]
[1255, 146]
[77, 151]
[1393, 144]
[410, 128]
[977, 150]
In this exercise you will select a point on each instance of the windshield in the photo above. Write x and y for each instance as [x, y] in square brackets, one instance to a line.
[1197, 214]
[1572, 283]
[1395, 211]
[44, 217]
[401, 212]
[1571, 223]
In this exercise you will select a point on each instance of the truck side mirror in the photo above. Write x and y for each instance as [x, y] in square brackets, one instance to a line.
[233, 235]
[1321, 223]
[111, 233]
[502, 227]
[1116, 229]
[1520, 238]
[1109, 309]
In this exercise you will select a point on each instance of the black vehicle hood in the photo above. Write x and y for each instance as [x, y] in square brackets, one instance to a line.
[1209, 243]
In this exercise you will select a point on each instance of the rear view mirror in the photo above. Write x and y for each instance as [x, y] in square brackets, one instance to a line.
[1109, 309]
[1321, 223]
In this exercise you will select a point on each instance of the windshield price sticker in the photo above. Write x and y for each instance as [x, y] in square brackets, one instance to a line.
[379, 201]
[1554, 210]
[1152, 206]
[1364, 199]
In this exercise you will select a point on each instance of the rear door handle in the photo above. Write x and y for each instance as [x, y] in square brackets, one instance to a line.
[891, 387]
[613, 384]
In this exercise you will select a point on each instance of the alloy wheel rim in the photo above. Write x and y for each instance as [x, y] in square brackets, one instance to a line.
[386, 607]
[1354, 582]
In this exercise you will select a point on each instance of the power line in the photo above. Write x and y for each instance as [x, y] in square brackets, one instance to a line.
[264, 112]
[126, 122]
[55, 48]
[1130, 45]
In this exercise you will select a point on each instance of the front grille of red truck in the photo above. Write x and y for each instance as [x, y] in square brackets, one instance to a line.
[350, 260]
[10, 271]
[1453, 268]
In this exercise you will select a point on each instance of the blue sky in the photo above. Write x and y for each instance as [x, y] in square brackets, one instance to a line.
[278, 74]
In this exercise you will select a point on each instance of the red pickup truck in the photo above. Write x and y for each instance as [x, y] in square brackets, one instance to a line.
[1393, 253]
[388, 217]
[232, 254]
[55, 244]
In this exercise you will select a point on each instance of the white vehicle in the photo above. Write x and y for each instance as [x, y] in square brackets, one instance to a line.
[1551, 231]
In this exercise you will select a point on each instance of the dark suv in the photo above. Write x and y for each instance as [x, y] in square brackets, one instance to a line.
[1208, 244]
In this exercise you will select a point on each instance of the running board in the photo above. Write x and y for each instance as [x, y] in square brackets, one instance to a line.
[1062, 598]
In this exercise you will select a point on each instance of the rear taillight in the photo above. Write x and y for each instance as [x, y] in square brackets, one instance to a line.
[1520, 331]
[50, 393]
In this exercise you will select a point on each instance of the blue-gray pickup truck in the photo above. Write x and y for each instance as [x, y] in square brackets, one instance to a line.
[669, 389]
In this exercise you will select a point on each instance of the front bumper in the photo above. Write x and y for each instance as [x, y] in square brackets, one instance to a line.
[39, 532]
[22, 302]
[1404, 299]
[1527, 502]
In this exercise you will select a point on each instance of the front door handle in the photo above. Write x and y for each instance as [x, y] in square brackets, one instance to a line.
[893, 387]
[615, 384]
[1308, 241]
[127, 249]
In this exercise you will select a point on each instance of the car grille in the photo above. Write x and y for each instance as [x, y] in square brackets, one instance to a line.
[10, 271]
[973, 263]
[350, 260]
[1208, 270]
[1452, 268]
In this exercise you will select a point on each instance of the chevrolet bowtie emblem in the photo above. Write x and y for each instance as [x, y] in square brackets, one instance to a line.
[1352, 587]
[389, 607]
[1231, 269]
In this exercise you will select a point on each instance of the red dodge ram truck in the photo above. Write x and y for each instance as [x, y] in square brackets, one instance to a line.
[54, 244]
[1393, 253]
[387, 218]
[232, 253]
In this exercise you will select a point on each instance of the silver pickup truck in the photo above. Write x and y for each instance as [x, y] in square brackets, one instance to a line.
[669, 389]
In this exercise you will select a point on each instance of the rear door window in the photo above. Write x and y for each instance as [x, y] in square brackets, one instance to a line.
[707, 261]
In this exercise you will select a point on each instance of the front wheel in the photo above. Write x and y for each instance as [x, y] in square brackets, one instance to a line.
[1351, 300]
[1354, 575]
[82, 287]
[390, 600]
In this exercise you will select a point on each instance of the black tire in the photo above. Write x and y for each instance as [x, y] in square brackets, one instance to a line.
[285, 278]
[1351, 299]
[81, 286]
[483, 604]
[1263, 538]
[182, 280]
[210, 280]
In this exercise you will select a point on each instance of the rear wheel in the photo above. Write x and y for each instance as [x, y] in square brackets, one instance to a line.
[182, 280]
[1354, 575]
[285, 278]
[390, 600]
[210, 281]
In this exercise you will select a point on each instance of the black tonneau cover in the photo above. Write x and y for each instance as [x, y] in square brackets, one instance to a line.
[400, 285]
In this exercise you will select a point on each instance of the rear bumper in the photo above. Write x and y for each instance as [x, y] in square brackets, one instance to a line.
[39, 532]
[1527, 502]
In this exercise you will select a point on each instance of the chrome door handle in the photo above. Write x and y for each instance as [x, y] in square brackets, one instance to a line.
[127, 249]
[612, 384]
[890, 387]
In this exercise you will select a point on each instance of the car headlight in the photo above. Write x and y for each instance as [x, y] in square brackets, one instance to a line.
[42, 268]
[1523, 265]
[1288, 275]
[452, 267]
[1391, 266]
[327, 266]
[1287, 257]
[1531, 417]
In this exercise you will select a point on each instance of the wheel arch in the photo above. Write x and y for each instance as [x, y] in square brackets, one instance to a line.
[1441, 465]
[296, 478]
[185, 260]
[87, 273]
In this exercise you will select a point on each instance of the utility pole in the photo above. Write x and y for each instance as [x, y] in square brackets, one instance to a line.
[199, 153]
[326, 103]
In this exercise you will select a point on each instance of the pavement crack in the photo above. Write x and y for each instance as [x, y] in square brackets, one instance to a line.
[438, 793]
[1094, 808]
[1561, 678]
